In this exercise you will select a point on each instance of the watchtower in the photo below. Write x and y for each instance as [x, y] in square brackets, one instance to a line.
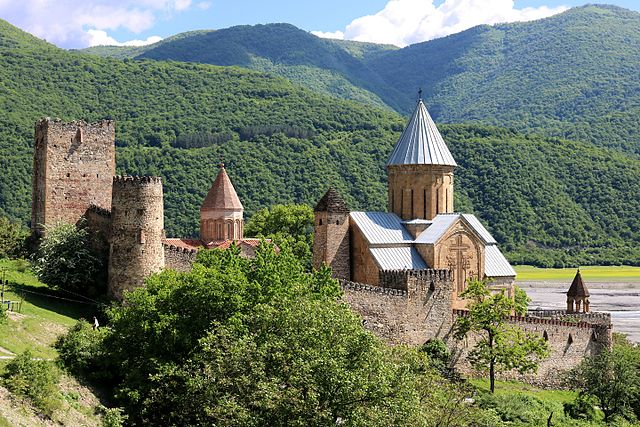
[578, 296]
[73, 165]
[137, 232]
[331, 241]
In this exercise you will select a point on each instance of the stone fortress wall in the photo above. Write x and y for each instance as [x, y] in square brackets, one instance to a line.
[137, 231]
[73, 166]
[414, 306]
[177, 258]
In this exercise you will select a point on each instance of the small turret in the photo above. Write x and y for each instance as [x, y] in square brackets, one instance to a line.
[578, 296]
[331, 235]
[222, 213]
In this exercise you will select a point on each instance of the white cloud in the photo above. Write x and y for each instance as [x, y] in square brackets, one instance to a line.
[81, 23]
[101, 38]
[404, 22]
[329, 35]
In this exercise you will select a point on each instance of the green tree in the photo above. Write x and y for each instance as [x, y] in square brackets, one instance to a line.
[521, 301]
[66, 260]
[290, 225]
[13, 237]
[501, 346]
[256, 342]
[612, 377]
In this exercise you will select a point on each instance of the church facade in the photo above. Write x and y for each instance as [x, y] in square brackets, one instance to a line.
[404, 270]
[420, 229]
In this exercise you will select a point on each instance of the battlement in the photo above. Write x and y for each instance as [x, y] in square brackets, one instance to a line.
[46, 122]
[178, 249]
[347, 285]
[136, 180]
[594, 318]
[413, 279]
[587, 322]
[106, 213]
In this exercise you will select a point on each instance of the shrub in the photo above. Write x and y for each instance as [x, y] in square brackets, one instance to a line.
[582, 408]
[80, 350]
[34, 379]
[112, 417]
[438, 352]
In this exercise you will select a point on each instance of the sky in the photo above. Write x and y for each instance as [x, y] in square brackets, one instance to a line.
[83, 23]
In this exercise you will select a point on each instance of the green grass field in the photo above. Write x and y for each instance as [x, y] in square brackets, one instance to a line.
[42, 318]
[605, 274]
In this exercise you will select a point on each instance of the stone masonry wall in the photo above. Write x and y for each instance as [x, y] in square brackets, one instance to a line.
[137, 231]
[73, 167]
[179, 259]
[570, 343]
[409, 316]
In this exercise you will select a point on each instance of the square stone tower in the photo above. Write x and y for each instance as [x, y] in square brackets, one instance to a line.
[73, 168]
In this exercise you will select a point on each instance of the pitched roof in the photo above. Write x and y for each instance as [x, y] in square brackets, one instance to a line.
[222, 195]
[578, 288]
[381, 228]
[398, 258]
[441, 223]
[495, 264]
[421, 142]
[331, 202]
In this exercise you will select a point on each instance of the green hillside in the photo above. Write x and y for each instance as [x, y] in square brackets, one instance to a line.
[283, 143]
[573, 75]
[323, 65]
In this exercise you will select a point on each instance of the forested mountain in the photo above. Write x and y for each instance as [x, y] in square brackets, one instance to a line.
[280, 49]
[284, 143]
[573, 75]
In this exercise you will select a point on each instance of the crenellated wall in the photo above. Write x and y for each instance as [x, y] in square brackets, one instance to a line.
[179, 259]
[409, 316]
[570, 341]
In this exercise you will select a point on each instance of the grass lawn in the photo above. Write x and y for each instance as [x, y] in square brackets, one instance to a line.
[42, 318]
[606, 274]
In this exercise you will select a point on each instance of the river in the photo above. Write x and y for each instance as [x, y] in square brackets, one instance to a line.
[622, 300]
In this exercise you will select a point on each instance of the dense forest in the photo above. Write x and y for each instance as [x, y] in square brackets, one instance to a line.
[573, 75]
[548, 201]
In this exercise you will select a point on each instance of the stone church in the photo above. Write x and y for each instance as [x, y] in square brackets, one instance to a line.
[419, 231]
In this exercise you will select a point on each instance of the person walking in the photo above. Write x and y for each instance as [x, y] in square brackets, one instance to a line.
[96, 325]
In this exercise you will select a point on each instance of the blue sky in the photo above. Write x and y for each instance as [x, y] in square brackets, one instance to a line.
[80, 23]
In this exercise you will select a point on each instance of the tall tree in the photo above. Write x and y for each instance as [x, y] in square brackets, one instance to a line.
[501, 345]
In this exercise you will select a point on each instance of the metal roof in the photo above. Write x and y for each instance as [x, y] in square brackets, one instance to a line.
[442, 222]
[495, 264]
[381, 228]
[439, 225]
[475, 223]
[421, 142]
[398, 258]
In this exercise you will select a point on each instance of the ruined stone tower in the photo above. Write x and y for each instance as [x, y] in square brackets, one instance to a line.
[331, 245]
[137, 232]
[221, 213]
[73, 166]
[420, 171]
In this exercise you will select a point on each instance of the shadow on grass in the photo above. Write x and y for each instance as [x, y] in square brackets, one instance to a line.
[55, 301]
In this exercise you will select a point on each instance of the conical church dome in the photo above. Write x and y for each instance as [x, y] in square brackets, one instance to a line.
[421, 142]
[222, 195]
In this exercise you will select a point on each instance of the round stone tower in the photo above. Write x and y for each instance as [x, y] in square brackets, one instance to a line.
[137, 231]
